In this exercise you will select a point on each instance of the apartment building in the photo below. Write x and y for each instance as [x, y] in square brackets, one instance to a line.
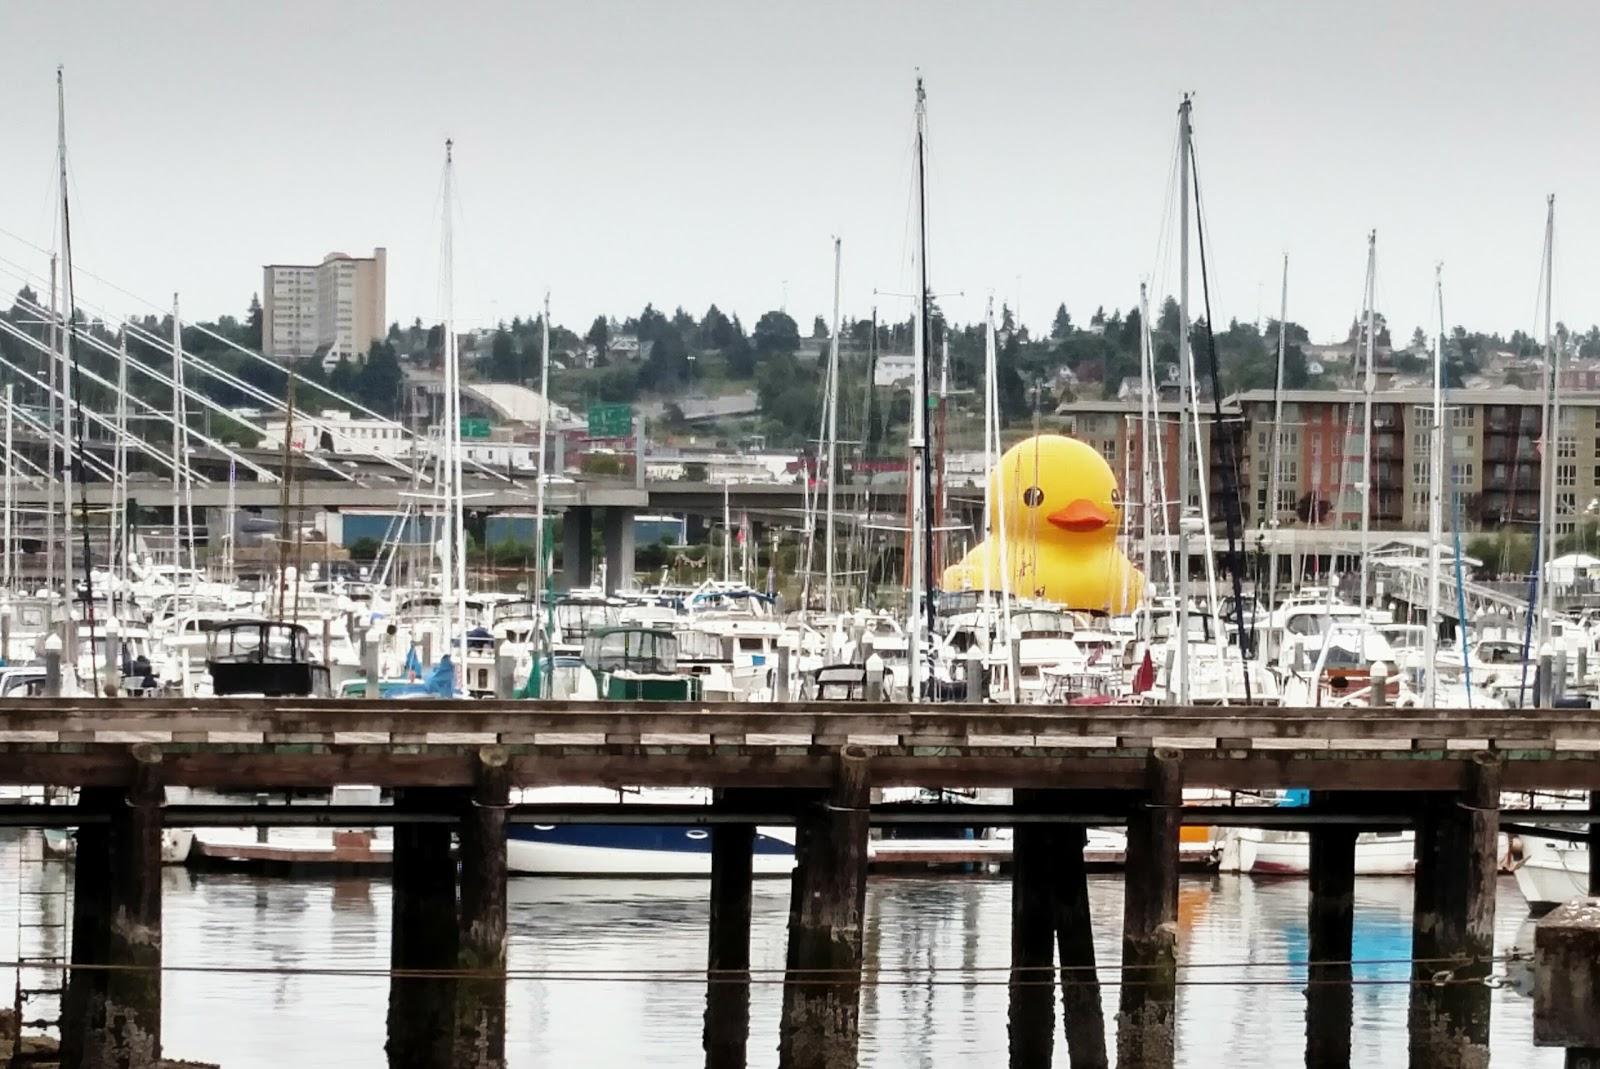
[1492, 468]
[1116, 429]
[333, 310]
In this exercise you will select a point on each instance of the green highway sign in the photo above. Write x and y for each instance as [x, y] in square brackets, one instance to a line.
[610, 421]
[474, 427]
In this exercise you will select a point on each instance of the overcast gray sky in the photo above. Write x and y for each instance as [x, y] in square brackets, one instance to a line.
[684, 153]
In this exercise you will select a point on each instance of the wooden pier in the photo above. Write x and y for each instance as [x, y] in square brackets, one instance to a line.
[453, 766]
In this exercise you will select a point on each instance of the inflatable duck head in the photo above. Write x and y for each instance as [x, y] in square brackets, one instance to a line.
[1057, 488]
[1062, 512]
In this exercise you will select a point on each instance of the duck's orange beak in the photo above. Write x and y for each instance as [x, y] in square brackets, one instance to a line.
[1080, 515]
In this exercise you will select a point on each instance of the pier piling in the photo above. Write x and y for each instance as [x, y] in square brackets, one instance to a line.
[1594, 845]
[480, 1032]
[1331, 928]
[1452, 935]
[822, 991]
[423, 936]
[1566, 996]
[369, 663]
[83, 1003]
[1083, 1018]
[1147, 1011]
[131, 1037]
[1030, 1020]
[727, 1026]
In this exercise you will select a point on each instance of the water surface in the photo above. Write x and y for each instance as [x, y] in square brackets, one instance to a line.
[954, 932]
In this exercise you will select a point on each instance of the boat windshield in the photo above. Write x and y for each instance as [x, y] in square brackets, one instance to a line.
[260, 642]
[1037, 623]
[631, 650]
[700, 646]
[1406, 637]
[577, 618]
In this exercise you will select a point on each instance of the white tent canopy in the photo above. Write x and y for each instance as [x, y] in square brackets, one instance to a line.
[1572, 567]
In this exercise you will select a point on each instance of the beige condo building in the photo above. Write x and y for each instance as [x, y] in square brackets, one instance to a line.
[334, 310]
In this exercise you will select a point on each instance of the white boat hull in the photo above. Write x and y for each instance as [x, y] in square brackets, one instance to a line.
[604, 850]
[175, 844]
[1551, 872]
[1267, 852]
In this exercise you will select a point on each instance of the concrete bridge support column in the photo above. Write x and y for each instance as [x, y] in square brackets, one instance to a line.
[1452, 929]
[821, 1009]
[1147, 1012]
[422, 936]
[577, 558]
[619, 549]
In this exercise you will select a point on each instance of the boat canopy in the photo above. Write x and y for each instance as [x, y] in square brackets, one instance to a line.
[631, 649]
[259, 642]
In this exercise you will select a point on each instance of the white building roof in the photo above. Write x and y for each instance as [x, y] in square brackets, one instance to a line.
[515, 403]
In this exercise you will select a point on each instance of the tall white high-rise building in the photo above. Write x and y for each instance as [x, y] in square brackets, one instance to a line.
[335, 309]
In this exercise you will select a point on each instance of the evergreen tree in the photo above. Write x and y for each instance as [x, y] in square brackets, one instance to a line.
[599, 336]
[776, 333]
[1062, 327]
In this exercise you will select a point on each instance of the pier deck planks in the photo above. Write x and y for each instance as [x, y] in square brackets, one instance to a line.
[313, 743]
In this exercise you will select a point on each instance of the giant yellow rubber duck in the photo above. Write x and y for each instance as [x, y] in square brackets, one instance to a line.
[1062, 514]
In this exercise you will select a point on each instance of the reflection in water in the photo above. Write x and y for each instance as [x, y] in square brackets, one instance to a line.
[254, 1020]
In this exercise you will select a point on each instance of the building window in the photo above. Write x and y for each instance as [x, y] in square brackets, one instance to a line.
[1461, 474]
[1567, 475]
[1461, 417]
[1108, 449]
[1566, 448]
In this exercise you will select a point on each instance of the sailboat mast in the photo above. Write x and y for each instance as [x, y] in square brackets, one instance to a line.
[1276, 462]
[231, 524]
[285, 489]
[1185, 387]
[1157, 503]
[178, 427]
[727, 535]
[1544, 547]
[11, 473]
[52, 379]
[69, 447]
[119, 482]
[921, 602]
[544, 430]
[1430, 641]
[75, 421]
[455, 513]
[833, 436]
[989, 457]
[1369, 384]
[1147, 406]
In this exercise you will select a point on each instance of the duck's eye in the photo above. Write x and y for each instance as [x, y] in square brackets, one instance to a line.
[1116, 497]
[1033, 497]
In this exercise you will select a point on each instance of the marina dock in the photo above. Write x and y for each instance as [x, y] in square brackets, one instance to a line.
[453, 766]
